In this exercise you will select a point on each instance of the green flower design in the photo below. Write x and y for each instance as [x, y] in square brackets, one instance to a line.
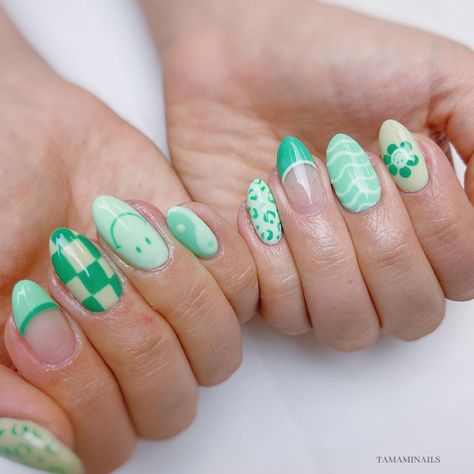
[399, 159]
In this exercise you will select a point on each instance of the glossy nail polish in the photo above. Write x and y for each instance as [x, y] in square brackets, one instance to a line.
[352, 175]
[263, 212]
[299, 176]
[40, 321]
[129, 234]
[84, 270]
[402, 157]
[28, 443]
[192, 231]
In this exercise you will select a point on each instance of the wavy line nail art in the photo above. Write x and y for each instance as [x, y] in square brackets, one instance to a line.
[352, 175]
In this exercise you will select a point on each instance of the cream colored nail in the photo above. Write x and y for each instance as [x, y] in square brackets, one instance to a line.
[402, 157]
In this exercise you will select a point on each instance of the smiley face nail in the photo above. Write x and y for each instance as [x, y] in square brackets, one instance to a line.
[129, 234]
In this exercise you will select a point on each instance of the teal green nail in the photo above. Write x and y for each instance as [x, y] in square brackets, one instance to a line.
[28, 443]
[29, 300]
[129, 234]
[352, 175]
[263, 212]
[292, 153]
[192, 231]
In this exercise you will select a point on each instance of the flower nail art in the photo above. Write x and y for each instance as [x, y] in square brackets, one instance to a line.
[399, 159]
[402, 156]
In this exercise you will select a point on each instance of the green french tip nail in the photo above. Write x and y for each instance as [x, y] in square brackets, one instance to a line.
[129, 234]
[28, 443]
[192, 231]
[291, 153]
[28, 301]
[352, 175]
[84, 270]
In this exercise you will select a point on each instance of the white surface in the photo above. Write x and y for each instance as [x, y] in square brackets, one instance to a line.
[294, 407]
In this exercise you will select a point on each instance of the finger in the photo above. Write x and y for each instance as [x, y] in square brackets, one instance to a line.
[33, 429]
[403, 287]
[173, 282]
[51, 352]
[282, 301]
[136, 343]
[222, 252]
[440, 211]
[336, 295]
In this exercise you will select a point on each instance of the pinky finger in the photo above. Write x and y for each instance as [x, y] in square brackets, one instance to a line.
[34, 431]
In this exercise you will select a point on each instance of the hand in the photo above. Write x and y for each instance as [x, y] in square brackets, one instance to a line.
[239, 76]
[134, 336]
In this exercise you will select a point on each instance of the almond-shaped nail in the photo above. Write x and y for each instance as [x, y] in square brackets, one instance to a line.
[40, 321]
[28, 443]
[402, 157]
[84, 270]
[299, 176]
[192, 231]
[129, 234]
[352, 175]
[263, 212]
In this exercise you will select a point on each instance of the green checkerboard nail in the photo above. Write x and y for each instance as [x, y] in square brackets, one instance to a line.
[84, 271]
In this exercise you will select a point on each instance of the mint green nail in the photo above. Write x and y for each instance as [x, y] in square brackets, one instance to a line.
[28, 443]
[291, 153]
[192, 231]
[263, 212]
[129, 234]
[352, 175]
[28, 301]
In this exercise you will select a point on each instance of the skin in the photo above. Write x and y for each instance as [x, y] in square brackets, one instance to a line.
[137, 367]
[328, 70]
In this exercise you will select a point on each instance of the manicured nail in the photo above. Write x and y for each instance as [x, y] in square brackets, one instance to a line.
[352, 175]
[129, 234]
[28, 443]
[84, 270]
[192, 231]
[263, 212]
[40, 321]
[299, 176]
[402, 156]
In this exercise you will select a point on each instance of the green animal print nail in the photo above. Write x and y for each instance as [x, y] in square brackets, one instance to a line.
[263, 212]
[192, 231]
[28, 443]
[84, 270]
[352, 175]
[129, 234]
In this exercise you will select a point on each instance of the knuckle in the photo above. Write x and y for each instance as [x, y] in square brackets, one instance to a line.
[394, 254]
[427, 315]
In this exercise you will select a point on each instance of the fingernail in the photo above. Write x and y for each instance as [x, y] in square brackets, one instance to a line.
[352, 175]
[28, 443]
[402, 157]
[299, 176]
[129, 234]
[192, 231]
[263, 212]
[84, 271]
[40, 321]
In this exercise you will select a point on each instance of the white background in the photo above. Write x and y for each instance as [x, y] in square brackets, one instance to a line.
[294, 406]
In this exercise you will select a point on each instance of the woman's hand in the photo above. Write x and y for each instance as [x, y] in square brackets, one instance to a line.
[239, 76]
[121, 349]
